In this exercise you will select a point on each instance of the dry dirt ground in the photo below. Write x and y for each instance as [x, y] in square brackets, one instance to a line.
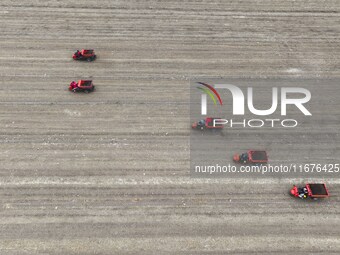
[108, 172]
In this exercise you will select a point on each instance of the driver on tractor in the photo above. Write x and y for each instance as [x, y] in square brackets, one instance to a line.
[244, 157]
[77, 53]
[201, 123]
[303, 192]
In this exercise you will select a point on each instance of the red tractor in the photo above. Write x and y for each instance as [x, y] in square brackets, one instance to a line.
[87, 55]
[251, 157]
[207, 124]
[311, 190]
[81, 86]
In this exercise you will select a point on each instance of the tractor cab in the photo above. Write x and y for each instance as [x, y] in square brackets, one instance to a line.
[207, 124]
[81, 86]
[311, 190]
[251, 157]
[84, 54]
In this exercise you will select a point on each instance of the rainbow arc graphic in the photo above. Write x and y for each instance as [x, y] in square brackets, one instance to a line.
[212, 93]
